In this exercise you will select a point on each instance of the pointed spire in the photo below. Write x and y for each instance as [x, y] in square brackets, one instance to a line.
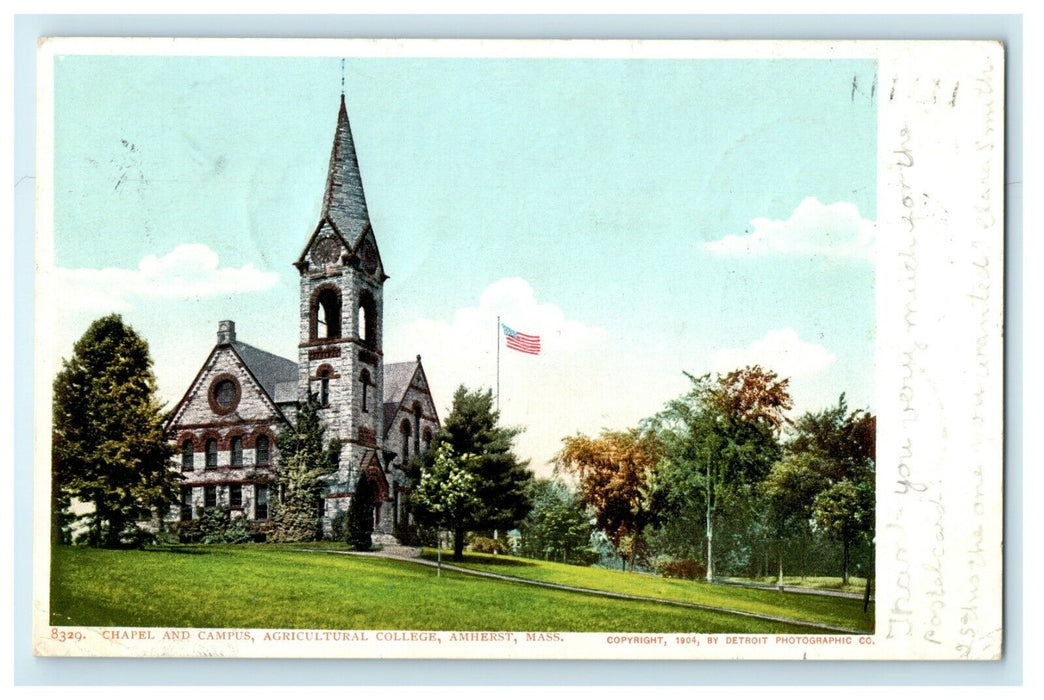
[344, 201]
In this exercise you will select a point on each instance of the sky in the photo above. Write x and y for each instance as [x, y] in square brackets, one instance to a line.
[646, 218]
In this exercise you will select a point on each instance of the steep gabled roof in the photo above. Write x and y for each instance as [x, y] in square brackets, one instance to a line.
[397, 378]
[268, 369]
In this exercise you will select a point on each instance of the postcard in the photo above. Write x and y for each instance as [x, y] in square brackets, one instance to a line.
[519, 349]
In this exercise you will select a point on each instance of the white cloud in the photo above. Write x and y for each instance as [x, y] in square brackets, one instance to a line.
[189, 271]
[781, 351]
[833, 230]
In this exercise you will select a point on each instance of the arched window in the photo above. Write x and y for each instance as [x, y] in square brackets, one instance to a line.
[367, 318]
[326, 314]
[405, 429]
[364, 379]
[324, 387]
[427, 439]
[261, 450]
[237, 451]
[211, 453]
[416, 428]
[187, 456]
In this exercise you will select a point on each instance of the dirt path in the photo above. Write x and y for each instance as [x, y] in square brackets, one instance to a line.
[412, 554]
[795, 589]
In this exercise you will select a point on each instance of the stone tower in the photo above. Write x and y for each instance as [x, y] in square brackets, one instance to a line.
[340, 355]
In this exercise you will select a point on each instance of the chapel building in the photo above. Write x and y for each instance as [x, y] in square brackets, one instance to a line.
[226, 425]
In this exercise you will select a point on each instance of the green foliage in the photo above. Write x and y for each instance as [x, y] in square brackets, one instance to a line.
[213, 526]
[304, 463]
[831, 463]
[338, 527]
[217, 526]
[559, 526]
[689, 569]
[488, 488]
[108, 449]
[487, 545]
[359, 525]
[845, 511]
[719, 441]
[411, 534]
[447, 496]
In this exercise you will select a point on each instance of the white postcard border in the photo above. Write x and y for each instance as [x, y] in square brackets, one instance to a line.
[939, 355]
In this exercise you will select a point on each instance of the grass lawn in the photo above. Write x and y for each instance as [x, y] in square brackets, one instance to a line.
[841, 612]
[856, 584]
[267, 587]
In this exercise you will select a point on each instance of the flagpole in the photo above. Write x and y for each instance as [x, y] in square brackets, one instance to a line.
[498, 364]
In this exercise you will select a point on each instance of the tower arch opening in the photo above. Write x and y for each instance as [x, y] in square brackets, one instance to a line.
[367, 318]
[326, 313]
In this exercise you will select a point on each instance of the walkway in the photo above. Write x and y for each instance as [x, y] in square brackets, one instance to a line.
[412, 554]
[794, 589]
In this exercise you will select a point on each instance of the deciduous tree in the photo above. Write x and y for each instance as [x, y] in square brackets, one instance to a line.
[614, 470]
[559, 526]
[839, 447]
[719, 441]
[447, 495]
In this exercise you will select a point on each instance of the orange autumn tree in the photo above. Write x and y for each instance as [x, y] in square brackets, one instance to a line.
[613, 471]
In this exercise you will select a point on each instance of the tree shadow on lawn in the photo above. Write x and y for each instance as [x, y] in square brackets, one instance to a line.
[475, 558]
[184, 549]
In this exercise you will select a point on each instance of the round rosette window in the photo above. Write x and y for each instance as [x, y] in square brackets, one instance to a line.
[224, 394]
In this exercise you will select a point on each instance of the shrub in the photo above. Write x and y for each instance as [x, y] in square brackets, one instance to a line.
[337, 532]
[133, 536]
[413, 535]
[680, 568]
[217, 526]
[487, 545]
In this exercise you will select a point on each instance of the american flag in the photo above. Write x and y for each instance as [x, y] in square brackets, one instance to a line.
[520, 341]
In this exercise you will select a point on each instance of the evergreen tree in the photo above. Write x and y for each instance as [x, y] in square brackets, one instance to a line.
[303, 465]
[108, 449]
[359, 527]
[500, 479]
